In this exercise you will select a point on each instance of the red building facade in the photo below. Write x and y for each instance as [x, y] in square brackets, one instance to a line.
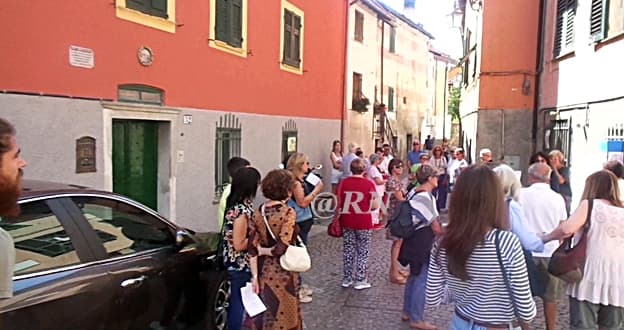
[218, 78]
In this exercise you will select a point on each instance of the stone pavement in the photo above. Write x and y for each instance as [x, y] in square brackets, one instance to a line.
[377, 308]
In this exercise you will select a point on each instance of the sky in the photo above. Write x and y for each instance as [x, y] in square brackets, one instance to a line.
[434, 16]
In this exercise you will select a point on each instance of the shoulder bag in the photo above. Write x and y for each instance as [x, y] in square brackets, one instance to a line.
[296, 258]
[505, 278]
[568, 261]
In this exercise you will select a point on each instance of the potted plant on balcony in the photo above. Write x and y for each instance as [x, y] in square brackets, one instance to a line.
[361, 104]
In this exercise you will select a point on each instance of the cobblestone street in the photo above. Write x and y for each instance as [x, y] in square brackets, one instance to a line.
[376, 308]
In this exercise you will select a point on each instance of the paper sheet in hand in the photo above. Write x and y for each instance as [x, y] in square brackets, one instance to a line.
[252, 303]
[313, 179]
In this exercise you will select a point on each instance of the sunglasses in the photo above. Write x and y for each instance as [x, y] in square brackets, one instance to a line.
[398, 166]
[541, 160]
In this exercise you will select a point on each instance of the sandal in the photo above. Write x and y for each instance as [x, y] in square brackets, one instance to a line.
[422, 325]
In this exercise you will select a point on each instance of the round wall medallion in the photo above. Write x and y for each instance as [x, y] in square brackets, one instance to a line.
[145, 56]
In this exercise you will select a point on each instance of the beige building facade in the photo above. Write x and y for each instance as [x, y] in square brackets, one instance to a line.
[388, 81]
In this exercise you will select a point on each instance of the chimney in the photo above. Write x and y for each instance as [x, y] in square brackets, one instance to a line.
[409, 9]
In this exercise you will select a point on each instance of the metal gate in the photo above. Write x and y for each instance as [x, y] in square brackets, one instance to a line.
[561, 138]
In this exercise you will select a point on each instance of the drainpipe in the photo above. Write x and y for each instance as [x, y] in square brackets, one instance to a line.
[445, 101]
[344, 76]
[539, 67]
[382, 114]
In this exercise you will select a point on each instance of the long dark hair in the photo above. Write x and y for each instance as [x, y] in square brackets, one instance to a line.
[244, 186]
[478, 205]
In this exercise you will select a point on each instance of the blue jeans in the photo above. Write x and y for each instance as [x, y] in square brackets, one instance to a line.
[304, 229]
[414, 297]
[460, 324]
[236, 311]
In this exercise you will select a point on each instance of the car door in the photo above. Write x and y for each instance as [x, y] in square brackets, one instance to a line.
[141, 258]
[54, 286]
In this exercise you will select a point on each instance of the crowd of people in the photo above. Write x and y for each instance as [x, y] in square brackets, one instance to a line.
[490, 259]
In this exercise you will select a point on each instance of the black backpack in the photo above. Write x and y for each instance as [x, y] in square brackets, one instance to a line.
[401, 223]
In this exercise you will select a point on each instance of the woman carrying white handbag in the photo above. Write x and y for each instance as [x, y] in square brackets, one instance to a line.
[272, 231]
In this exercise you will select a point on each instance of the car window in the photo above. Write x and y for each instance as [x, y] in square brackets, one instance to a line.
[40, 240]
[123, 228]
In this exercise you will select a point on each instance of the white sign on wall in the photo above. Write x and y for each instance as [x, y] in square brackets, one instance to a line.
[81, 57]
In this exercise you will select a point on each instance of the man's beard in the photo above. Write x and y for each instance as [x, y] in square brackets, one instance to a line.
[10, 189]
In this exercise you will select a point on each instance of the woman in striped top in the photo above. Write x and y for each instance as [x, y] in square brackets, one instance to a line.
[465, 266]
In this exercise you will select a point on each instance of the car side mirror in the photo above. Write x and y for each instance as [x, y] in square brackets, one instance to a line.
[184, 238]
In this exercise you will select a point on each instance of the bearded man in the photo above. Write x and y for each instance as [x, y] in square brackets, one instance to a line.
[11, 165]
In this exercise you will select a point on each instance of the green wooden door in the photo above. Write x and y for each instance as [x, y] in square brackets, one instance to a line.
[135, 160]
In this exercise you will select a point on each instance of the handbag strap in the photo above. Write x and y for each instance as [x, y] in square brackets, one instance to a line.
[266, 222]
[590, 207]
[505, 278]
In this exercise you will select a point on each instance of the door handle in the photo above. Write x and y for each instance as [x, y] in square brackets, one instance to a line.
[133, 282]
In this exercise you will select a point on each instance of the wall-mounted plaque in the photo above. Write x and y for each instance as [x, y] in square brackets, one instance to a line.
[85, 155]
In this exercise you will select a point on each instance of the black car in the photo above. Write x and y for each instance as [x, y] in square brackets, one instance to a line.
[89, 259]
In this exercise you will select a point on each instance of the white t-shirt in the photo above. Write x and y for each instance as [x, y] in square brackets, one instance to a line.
[7, 264]
[455, 168]
[544, 210]
[373, 173]
[384, 164]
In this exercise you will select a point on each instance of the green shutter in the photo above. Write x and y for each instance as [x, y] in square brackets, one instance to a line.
[140, 5]
[287, 55]
[598, 19]
[236, 21]
[559, 28]
[296, 45]
[159, 8]
[222, 32]
[392, 46]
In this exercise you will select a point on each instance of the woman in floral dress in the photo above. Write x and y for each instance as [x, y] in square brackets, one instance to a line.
[396, 191]
[277, 287]
[239, 210]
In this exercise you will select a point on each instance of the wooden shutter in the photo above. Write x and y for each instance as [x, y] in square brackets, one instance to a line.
[296, 43]
[571, 14]
[287, 36]
[564, 28]
[222, 20]
[159, 8]
[390, 99]
[392, 46]
[236, 14]
[140, 5]
[357, 90]
[597, 20]
[359, 26]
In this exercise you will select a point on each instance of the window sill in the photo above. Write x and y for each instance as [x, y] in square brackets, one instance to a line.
[291, 69]
[222, 46]
[564, 55]
[609, 40]
[138, 17]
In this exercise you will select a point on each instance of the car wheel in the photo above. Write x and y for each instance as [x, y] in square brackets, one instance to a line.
[218, 302]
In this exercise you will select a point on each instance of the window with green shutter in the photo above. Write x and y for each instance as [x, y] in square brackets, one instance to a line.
[597, 20]
[564, 29]
[292, 39]
[392, 45]
[156, 8]
[390, 99]
[229, 22]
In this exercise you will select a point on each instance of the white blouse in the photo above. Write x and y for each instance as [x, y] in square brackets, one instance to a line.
[604, 264]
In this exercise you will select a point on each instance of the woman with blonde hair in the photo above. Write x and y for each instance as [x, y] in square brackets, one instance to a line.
[597, 301]
[302, 196]
[517, 219]
[478, 262]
